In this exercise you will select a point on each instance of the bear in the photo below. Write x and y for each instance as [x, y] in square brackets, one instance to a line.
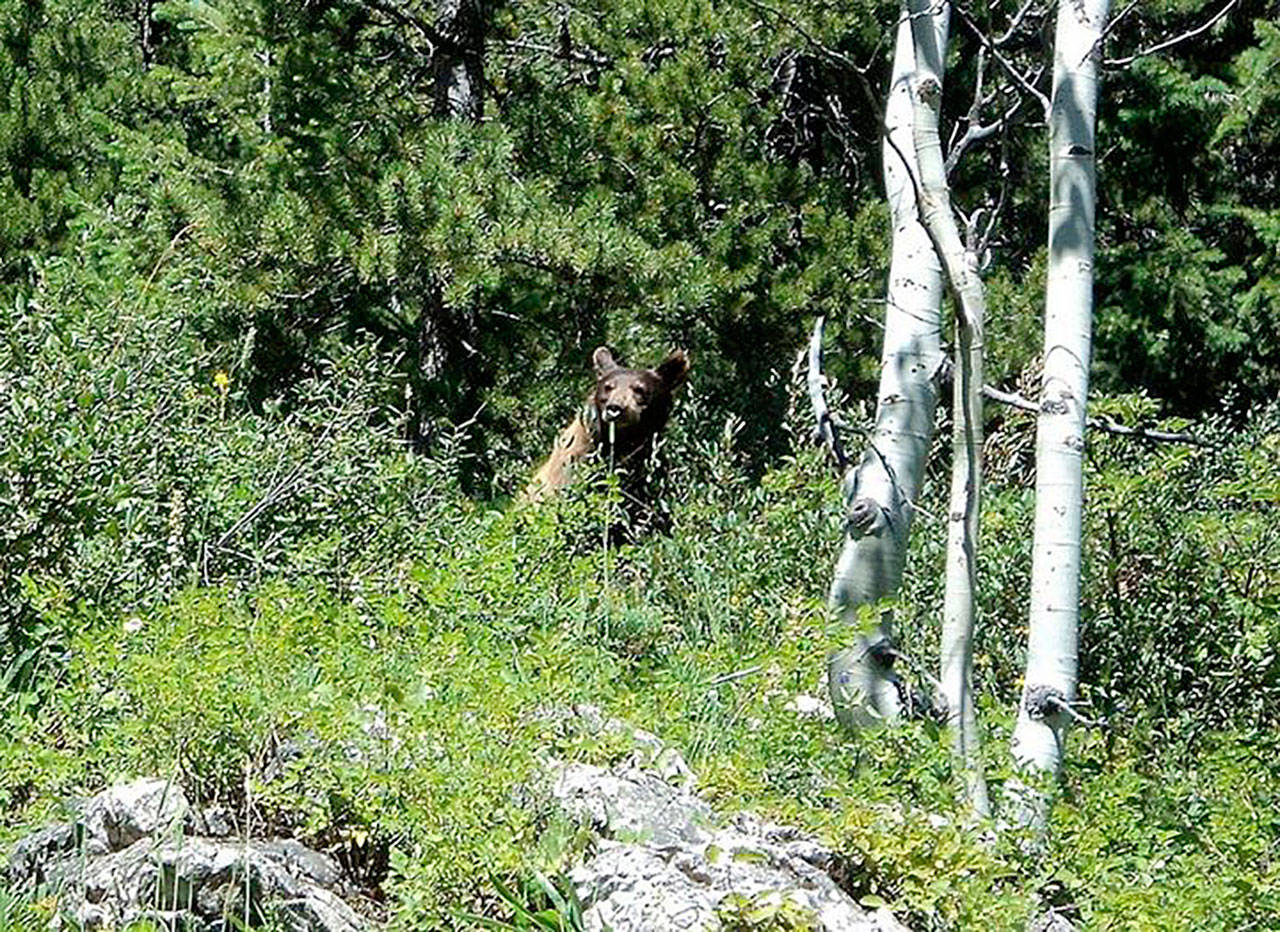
[619, 421]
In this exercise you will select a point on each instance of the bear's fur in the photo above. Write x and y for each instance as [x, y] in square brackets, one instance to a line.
[636, 403]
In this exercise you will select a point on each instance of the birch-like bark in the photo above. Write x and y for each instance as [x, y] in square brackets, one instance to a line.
[1050, 682]
[880, 491]
[959, 611]
[959, 603]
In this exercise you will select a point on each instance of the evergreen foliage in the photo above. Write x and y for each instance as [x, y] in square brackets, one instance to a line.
[277, 342]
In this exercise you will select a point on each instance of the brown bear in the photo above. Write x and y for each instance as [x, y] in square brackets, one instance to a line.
[619, 420]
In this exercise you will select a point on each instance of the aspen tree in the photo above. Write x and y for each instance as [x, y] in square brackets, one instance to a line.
[880, 491]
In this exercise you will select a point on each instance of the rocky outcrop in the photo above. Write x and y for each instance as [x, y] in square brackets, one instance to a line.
[665, 862]
[140, 851]
[660, 859]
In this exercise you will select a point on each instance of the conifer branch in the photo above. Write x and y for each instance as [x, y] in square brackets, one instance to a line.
[437, 39]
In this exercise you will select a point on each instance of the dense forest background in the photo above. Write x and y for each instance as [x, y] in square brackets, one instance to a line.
[280, 336]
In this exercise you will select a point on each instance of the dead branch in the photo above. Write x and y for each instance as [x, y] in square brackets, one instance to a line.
[1104, 424]
[435, 38]
[1015, 23]
[1018, 77]
[825, 431]
[976, 131]
[1169, 43]
[278, 492]
[831, 54]
[572, 54]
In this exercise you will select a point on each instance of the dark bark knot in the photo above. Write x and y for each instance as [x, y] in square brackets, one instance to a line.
[1054, 406]
[882, 654]
[929, 91]
[1044, 703]
[862, 517]
[1077, 151]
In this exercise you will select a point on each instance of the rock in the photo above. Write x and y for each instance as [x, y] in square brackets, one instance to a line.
[807, 706]
[31, 857]
[211, 822]
[203, 882]
[129, 856]
[632, 805]
[132, 811]
[648, 751]
[664, 862]
[1051, 921]
[107, 822]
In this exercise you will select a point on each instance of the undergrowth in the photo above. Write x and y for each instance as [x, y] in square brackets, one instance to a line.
[398, 721]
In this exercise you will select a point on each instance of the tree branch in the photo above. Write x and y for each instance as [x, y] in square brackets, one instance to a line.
[1169, 43]
[1104, 424]
[836, 56]
[437, 39]
[592, 58]
[1018, 78]
[1015, 23]
[825, 431]
[976, 132]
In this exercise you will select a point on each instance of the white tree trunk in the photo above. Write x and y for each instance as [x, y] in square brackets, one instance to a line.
[959, 604]
[959, 607]
[1050, 682]
[880, 491]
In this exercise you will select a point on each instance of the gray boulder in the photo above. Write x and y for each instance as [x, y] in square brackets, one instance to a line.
[108, 822]
[664, 862]
[130, 854]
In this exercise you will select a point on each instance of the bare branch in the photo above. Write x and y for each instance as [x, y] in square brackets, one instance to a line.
[976, 132]
[1068, 708]
[278, 492]
[833, 54]
[1104, 424]
[1144, 433]
[985, 239]
[1011, 399]
[1018, 78]
[435, 38]
[730, 677]
[973, 117]
[1015, 23]
[1116, 20]
[1169, 43]
[582, 57]
[825, 431]
[972, 239]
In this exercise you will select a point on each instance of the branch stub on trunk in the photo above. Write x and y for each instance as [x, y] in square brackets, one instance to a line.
[1045, 703]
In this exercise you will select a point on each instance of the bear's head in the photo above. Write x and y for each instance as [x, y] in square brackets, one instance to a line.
[636, 398]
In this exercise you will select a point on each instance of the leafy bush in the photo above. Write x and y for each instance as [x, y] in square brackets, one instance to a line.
[130, 472]
[394, 720]
[278, 343]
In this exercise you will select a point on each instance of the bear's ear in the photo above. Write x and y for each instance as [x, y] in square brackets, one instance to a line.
[602, 361]
[673, 369]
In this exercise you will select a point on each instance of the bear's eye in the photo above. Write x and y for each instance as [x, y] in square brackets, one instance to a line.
[642, 395]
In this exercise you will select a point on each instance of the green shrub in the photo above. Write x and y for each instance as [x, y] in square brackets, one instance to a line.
[389, 712]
